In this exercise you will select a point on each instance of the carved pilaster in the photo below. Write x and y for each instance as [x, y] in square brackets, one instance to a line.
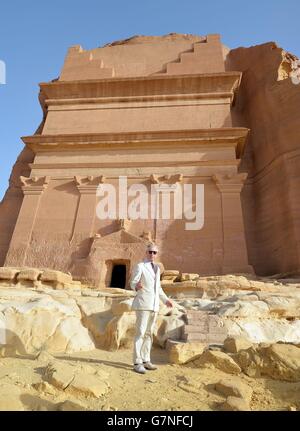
[167, 186]
[235, 256]
[32, 188]
[85, 215]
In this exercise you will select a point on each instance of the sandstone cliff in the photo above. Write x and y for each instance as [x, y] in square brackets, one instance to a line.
[11, 203]
[268, 103]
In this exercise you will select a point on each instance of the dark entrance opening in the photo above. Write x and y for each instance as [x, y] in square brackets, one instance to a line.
[118, 276]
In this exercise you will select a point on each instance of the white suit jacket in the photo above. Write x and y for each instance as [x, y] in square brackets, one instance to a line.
[148, 297]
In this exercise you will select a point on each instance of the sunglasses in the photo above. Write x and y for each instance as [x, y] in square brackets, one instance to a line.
[152, 252]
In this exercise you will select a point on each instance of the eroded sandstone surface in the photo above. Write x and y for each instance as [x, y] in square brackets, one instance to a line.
[65, 346]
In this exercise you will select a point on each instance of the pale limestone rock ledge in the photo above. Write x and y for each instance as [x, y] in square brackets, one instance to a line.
[184, 285]
[260, 309]
[269, 317]
[44, 309]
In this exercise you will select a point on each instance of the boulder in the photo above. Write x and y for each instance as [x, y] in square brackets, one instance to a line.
[170, 275]
[118, 331]
[96, 314]
[35, 321]
[181, 353]
[169, 278]
[234, 387]
[185, 276]
[168, 328]
[235, 344]
[235, 404]
[56, 277]
[278, 361]
[29, 274]
[171, 272]
[219, 360]
[7, 273]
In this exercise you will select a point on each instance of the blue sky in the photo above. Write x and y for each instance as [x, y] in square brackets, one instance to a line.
[35, 35]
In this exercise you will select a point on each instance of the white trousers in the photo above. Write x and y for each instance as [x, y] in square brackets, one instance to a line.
[145, 322]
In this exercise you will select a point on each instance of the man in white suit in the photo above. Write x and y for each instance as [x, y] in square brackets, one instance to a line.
[145, 280]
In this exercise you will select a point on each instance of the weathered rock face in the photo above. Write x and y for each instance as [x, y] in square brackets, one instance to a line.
[234, 387]
[65, 315]
[279, 361]
[267, 312]
[181, 353]
[32, 321]
[44, 309]
[59, 315]
[235, 404]
[219, 360]
[268, 103]
[12, 201]
[235, 344]
[228, 285]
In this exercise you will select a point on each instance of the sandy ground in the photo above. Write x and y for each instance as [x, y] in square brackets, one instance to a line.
[171, 387]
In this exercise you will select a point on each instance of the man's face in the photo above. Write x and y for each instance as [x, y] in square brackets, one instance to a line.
[151, 255]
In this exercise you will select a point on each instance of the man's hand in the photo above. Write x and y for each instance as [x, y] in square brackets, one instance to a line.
[169, 304]
[138, 286]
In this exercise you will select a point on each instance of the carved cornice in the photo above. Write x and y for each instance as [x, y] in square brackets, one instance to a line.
[230, 183]
[138, 164]
[144, 86]
[159, 100]
[34, 185]
[233, 136]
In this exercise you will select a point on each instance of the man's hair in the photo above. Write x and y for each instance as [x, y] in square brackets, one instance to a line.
[152, 246]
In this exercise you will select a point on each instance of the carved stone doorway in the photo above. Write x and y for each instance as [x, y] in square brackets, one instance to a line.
[118, 275]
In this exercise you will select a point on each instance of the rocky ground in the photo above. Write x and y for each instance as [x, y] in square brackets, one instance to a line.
[65, 346]
[108, 383]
